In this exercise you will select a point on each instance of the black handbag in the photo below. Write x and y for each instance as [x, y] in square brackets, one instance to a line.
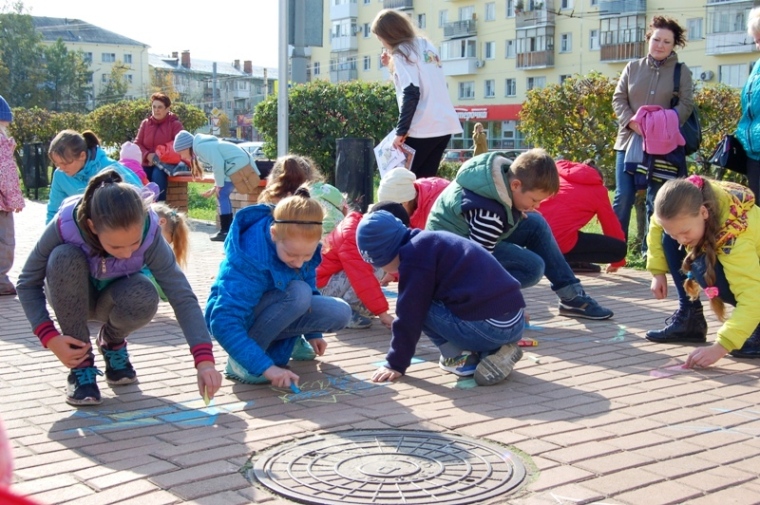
[730, 155]
[691, 129]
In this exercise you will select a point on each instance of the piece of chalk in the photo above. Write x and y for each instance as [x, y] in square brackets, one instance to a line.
[206, 399]
[294, 388]
[525, 342]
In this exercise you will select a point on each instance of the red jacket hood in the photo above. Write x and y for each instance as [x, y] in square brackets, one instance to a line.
[578, 173]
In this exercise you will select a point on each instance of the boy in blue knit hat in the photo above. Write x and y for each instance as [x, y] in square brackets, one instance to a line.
[11, 198]
[451, 289]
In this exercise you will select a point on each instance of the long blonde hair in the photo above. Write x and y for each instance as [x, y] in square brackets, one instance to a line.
[178, 229]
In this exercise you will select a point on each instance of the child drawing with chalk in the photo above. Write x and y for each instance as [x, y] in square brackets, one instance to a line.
[265, 295]
[719, 225]
[88, 264]
[451, 289]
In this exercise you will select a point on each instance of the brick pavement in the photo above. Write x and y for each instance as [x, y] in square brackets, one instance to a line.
[598, 411]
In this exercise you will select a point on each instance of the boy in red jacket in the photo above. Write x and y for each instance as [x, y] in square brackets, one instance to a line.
[344, 274]
[582, 195]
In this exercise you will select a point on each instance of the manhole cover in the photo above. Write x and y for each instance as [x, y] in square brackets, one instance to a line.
[389, 467]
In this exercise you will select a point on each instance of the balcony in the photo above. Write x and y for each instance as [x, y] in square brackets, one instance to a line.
[241, 93]
[459, 66]
[344, 43]
[727, 27]
[402, 5]
[345, 10]
[613, 8]
[349, 74]
[459, 29]
[536, 59]
[536, 14]
[623, 52]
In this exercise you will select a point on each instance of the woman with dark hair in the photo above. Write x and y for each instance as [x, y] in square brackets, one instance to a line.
[158, 129]
[644, 83]
[426, 119]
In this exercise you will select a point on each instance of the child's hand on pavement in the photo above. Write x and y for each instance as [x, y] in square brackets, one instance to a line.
[705, 356]
[208, 378]
[384, 374]
[280, 377]
[387, 279]
[69, 350]
[611, 270]
[659, 286]
[319, 345]
[386, 319]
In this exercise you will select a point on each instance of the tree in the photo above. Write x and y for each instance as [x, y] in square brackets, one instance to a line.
[21, 53]
[718, 107]
[118, 122]
[163, 82]
[117, 85]
[68, 78]
[574, 119]
[320, 112]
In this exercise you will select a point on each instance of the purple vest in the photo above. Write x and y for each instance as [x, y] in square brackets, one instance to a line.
[108, 267]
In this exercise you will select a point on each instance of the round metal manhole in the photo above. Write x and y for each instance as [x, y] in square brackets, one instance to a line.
[389, 467]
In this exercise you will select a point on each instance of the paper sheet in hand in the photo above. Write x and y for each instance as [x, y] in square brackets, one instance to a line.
[388, 157]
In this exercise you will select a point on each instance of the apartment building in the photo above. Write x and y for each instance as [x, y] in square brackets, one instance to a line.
[493, 52]
[102, 50]
[227, 87]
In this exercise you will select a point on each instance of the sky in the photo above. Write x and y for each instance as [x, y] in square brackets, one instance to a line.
[221, 30]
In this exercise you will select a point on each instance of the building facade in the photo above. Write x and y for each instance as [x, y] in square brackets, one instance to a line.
[493, 52]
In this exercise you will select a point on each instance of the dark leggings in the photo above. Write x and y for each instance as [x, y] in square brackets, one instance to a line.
[595, 248]
[125, 305]
[428, 154]
[753, 177]
[158, 176]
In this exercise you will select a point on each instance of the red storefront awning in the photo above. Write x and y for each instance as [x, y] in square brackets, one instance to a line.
[489, 112]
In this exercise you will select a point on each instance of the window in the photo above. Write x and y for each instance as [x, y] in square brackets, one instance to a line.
[367, 29]
[733, 75]
[467, 13]
[367, 2]
[316, 68]
[458, 49]
[443, 18]
[566, 4]
[108, 57]
[563, 78]
[594, 3]
[489, 90]
[127, 59]
[467, 90]
[593, 40]
[510, 49]
[129, 78]
[536, 82]
[510, 87]
[565, 42]
[694, 28]
[104, 78]
[510, 8]
[367, 63]
[421, 21]
[490, 11]
[696, 73]
[489, 49]
[87, 58]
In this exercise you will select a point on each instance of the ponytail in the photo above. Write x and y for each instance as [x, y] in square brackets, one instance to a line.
[179, 232]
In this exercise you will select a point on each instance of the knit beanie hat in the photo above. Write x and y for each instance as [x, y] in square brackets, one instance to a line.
[379, 236]
[5, 111]
[327, 194]
[397, 186]
[394, 208]
[130, 151]
[183, 140]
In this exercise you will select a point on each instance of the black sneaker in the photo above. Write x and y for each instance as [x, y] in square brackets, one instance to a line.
[119, 371]
[686, 325]
[81, 389]
[220, 236]
[583, 306]
[751, 348]
[581, 267]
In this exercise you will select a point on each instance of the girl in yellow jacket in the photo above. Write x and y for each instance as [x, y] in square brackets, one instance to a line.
[719, 225]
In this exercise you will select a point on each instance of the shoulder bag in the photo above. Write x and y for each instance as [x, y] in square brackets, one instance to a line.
[691, 129]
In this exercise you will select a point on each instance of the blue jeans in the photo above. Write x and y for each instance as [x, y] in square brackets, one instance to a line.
[625, 193]
[453, 335]
[531, 252]
[294, 312]
[674, 256]
[158, 176]
[225, 204]
[698, 268]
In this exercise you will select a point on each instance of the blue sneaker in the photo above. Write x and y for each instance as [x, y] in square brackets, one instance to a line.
[495, 367]
[119, 370]
[302, 351]
[236, 372]
[463, 365]
[81, 388]
[583, 306]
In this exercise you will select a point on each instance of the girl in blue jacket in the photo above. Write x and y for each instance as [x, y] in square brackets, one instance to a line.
[77, 158]
[265, 296]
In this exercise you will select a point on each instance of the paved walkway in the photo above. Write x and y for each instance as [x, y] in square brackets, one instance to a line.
[600, 414]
